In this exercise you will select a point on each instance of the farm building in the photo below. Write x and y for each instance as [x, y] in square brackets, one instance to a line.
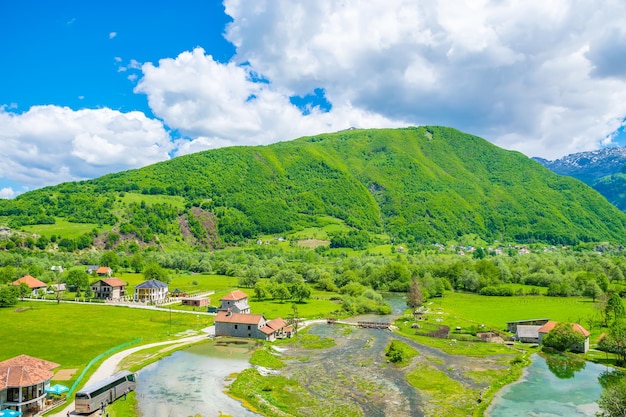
[195, 301]
[153, 291]
[511, 326]
[112, 288]
[527, 333]
[236, 302]
[23, 383]
[583, 348]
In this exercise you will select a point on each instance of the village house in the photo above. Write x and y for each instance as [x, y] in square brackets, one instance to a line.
[236, 302]
[33, 283]
[91, 269]
[104, 271]
[582, 348]
[152, 291]
[23, 383]
[253, 326]
[111, 288]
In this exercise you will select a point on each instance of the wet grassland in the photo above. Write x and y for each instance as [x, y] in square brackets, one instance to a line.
[337, 370]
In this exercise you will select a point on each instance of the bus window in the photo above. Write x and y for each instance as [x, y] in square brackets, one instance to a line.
[131, 377]
[82, 395]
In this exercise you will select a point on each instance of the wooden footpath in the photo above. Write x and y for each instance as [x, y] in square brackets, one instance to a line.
[363, 324]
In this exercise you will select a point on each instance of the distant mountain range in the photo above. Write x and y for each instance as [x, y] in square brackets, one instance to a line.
[604, 170]
[418, 184]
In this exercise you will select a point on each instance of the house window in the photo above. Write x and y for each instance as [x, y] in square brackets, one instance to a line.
[235, 327]
[248, 327]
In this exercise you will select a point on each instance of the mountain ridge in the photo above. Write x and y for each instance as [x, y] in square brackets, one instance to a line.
[603, 169]
[414, 185]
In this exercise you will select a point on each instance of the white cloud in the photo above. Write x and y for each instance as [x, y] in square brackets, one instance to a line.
[220, 104]
[539, 77]
[112, 35]
[50, 144]
[7, 192]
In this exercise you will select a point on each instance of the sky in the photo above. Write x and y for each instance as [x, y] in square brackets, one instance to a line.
[89, 88]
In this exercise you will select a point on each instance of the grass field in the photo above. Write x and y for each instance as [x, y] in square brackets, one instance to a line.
[73, 334]
[175, 201]
[65, 229]
[495, 312]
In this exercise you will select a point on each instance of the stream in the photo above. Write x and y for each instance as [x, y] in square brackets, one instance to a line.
[354, 376]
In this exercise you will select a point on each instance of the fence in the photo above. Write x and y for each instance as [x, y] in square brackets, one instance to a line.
[96, 359]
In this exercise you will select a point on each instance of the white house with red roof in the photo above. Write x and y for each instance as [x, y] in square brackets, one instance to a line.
[236, 302]
[23, 381]
[253, 326]
[234, 319]
[111, 288]
[546, 328]
[33, 283]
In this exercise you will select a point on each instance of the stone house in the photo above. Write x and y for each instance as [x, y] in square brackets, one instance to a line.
[236, 302]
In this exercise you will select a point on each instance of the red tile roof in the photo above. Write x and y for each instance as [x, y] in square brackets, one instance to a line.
[235, 296]
[32, 282]
[552, 324]
[103, 270]
[277, 323]
[114, 282]
[25, 370]
[267, 330]
[238, 318]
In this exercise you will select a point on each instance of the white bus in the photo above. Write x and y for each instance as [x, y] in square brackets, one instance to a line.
[90, 398]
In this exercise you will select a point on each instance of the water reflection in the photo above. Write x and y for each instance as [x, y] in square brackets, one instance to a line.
[540, 392]
[564, 367]
[192, 381]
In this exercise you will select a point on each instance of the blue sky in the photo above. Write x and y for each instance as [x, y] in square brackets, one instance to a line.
[88, 88]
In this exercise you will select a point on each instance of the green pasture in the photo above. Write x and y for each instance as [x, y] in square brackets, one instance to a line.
[73, 334]
[495, 312]
[175, 201]
[64, 228]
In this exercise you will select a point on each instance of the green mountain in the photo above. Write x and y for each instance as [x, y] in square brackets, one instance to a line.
[425, 184]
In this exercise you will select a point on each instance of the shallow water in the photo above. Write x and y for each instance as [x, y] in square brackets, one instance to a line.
[192, 381]
[541, 393]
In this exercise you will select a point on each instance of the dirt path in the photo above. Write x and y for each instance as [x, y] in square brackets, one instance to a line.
[110, 365]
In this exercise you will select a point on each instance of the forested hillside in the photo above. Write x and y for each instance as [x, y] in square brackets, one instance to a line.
[425, 184]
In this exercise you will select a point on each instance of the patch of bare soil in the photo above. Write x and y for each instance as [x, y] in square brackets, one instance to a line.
[64, 374]
[313, 243]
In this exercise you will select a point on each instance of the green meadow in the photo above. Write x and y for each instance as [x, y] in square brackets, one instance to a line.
[136, 198]
[66, 229]
[495, 312]
[73, 334]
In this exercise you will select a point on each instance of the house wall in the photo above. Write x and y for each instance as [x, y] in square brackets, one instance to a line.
[150, 294]
[239, 330]
[239, 306]
[198, 302]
